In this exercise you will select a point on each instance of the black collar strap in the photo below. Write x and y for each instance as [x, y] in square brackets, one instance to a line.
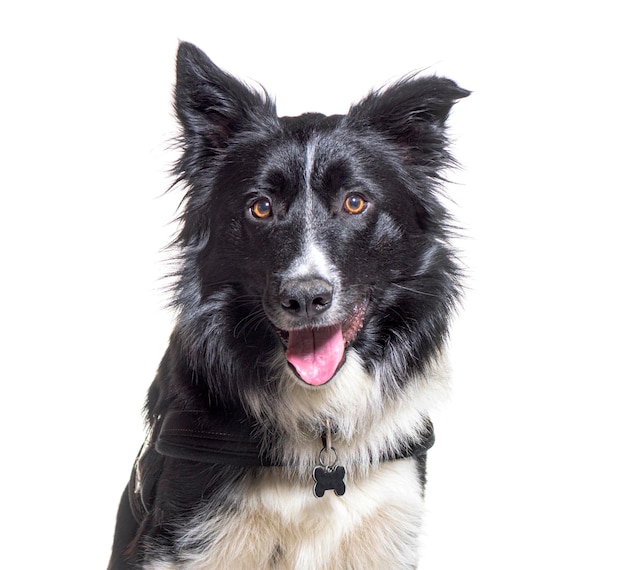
[217, 437]
[210, 436]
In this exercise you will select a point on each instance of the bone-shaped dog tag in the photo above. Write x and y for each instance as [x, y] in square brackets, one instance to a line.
[328, 475]
[327, 479]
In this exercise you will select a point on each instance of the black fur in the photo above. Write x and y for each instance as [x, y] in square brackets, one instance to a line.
[394, 258]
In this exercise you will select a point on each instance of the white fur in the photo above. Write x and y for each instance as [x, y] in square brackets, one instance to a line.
[280, 525]
[369, 419]
[312, 262]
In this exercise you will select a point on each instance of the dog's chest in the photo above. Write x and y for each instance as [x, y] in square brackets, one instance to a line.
[281, 525]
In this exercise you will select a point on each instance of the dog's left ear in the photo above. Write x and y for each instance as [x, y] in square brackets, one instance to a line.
[412, 113]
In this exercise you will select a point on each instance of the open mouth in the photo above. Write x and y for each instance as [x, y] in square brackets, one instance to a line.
[317, 353]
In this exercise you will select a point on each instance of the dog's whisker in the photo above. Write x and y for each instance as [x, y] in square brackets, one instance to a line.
[253, 319]
[416, 291]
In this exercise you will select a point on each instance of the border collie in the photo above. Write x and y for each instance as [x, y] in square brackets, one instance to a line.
[289, 418]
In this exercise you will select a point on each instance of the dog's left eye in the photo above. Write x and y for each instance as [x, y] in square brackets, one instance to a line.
[354, 204]
[261, 209]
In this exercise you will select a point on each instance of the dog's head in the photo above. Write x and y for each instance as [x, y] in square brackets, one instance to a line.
[312, 237]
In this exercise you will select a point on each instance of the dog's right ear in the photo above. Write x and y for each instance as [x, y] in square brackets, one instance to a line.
[212, 105]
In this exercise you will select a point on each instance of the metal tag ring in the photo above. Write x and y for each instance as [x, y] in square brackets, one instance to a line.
[328, 458]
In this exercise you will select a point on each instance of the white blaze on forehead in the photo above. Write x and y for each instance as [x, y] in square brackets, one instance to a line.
[312, 260]
[309, 163]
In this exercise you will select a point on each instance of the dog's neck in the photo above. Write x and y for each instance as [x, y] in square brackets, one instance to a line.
[212, 436]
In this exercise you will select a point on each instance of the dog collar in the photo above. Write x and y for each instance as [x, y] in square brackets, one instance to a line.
[215, 436]
[210, 436]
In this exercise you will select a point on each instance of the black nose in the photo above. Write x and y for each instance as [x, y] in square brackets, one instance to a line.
[306, 297]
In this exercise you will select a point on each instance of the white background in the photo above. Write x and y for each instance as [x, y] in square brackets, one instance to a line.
[529, 469]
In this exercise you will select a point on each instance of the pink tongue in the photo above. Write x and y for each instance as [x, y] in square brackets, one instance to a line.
[316, 353]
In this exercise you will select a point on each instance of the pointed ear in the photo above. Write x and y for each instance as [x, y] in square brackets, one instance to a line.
[212, 105]
[412, 113]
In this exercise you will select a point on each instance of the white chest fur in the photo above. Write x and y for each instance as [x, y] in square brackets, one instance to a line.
[280, 525]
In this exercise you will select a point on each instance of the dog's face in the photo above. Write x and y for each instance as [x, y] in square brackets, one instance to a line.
[312, 222]
[313, 236]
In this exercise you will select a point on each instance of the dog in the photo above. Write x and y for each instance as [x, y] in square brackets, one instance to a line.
[288, 423]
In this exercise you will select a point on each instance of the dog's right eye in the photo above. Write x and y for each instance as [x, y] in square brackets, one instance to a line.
[261, 209]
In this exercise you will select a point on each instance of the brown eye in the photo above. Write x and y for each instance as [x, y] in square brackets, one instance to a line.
[354, 204]
[261, 209]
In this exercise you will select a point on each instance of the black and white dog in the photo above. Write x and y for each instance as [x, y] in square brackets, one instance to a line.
[289, 416]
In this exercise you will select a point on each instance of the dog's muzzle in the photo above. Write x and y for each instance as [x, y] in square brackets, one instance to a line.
[315, 341]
